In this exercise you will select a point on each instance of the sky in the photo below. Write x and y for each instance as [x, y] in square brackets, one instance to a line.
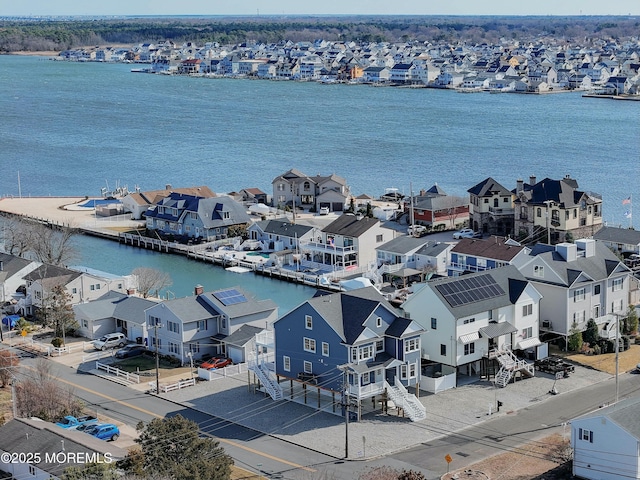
[323, 7]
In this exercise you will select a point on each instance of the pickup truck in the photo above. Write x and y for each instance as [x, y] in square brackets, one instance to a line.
[554, 365]
[72, 422]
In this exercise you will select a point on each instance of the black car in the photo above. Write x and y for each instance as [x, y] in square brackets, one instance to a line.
[131, 351]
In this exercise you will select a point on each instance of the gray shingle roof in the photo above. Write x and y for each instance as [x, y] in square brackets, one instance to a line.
[11, 265]
[618, 235]
[116, 305]
[350, 225]
[284, 228]
[623, 413]
[403, 245]
[242, 336]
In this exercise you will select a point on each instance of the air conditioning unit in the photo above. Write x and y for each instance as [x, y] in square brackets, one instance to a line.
[546, 324]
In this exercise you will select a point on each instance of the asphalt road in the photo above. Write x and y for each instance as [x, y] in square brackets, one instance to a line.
[276, 458]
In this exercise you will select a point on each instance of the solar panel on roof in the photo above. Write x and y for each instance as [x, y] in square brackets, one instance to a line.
[468, 290]
[230, 297]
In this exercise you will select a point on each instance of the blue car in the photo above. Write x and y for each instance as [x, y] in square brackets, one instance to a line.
[106, 431]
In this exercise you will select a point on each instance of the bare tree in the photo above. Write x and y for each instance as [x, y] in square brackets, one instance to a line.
[44, 396]
[8, 361]
[453, 207]
[151, 280]
[26, 238]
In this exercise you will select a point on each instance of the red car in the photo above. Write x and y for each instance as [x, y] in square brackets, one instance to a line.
[216, 363]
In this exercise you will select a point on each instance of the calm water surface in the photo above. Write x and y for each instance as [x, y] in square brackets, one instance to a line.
[73, 128]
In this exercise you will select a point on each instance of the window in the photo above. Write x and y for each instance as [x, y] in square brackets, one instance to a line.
[481, 262]
[617, 284]
[309, 345]
[325, 349]
[469, 348]
[527, 310]
[379, 345]
[468, 320]
[527, 333]
[202, 325]
[538, 212]
[281, 187]
[92, 287]
[32, 470]
[578, 295]
[194, 347]
[434, 323]
[596, 289]
[354, 354]
[154, 320]
[308, 322]
[365, 352]
[443, 349]
[486, 200]
[575, 213]
[308, 367]
[412, 370]
[379, 238]
[85, 324]
[368, 377]
[411, 345]
[578, 317]
[378, 322]
[286, 363]
[403, 371]
[74, 290]
[566, 214]
[193, 215]
[174, 348]
[538, 271]
[586, 435]
[173, 327]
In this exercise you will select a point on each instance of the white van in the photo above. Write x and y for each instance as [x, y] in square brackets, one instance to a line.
[416, 230]
[110, 340]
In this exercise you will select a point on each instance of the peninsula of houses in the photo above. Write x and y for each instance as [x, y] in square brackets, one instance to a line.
[602, 68]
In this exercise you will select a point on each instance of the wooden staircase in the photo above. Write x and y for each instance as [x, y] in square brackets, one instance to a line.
[509, 365]
[409, 403]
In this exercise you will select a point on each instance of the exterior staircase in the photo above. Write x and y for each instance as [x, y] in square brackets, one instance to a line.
[409, 403]
[267, 379]
[509, 365]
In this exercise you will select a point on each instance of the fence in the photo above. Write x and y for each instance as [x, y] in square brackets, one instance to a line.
[51, 350]
[130, 377]
[218, 373]
[177, 386]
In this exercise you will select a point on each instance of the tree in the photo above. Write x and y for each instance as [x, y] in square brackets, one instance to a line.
[26, 238]
[8, 361]
[631, 322]
[591, 335]
[575, 338]
[44, 396]
[151, 280]
[452, 207]
[56, 311]
[172, 447]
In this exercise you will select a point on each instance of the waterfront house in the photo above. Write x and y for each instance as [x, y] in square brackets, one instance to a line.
[295, 188]
[81, 286]
[190, 217]
[578, 281]
[114, 312]
[376, 74]
[433, 257]
[13, 269]
[606, 442]
[350, 340]
[621, 240]
[254, 195]
[347, 242]
[491, 208]
[406, 259]
[139, 202]
[437, 210]
[473, 323]
[201, 323]
[556, 208]
[280, 234]
[477, 255]
[57, 449]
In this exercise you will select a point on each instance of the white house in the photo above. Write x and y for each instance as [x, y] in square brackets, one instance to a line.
[606, 442]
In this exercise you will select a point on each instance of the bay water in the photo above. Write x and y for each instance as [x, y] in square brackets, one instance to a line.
[70, 129]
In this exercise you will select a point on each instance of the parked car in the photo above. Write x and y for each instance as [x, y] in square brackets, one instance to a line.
[324, 211]
[416, 230]
[73, 422]
[464, 233]
[132, 350]
[219, 362]
[106, 431]
[110, 340]
[554, 365]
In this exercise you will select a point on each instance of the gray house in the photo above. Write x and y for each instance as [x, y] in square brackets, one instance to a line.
[202, 324]
[622, 240]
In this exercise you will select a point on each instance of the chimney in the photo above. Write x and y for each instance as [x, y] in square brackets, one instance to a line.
[568, 251]
[199, 290]
[532, 180]
[422, 192]
[131, 291]
[519, 185]
[167, 186]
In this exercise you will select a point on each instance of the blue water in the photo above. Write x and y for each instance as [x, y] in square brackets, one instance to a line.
[75, 128]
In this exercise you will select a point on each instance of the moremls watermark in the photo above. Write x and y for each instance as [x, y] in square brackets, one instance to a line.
[77, 458]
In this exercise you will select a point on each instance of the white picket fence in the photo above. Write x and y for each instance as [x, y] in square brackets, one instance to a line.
[218, 373]
[50, 350]
[129, 377]
[175, 386]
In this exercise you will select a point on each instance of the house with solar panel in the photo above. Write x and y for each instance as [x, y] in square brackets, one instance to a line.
[351, 342]
[204, 324]
[473, 324]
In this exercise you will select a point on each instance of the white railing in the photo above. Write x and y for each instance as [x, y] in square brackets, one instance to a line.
[270, 384]
[365, 391]
[129, 377]
[218, 373]
[405, 400]
[177, 386]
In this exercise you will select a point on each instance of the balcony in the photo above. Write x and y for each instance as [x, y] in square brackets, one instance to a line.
[327, 248]
[366, 391]
[498, 212]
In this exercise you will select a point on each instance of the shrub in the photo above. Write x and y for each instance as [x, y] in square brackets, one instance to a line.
[57, 342]
[596, 350]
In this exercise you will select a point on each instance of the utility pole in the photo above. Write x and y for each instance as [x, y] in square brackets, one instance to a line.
[155, 336]
[345, 403]
[617, 350]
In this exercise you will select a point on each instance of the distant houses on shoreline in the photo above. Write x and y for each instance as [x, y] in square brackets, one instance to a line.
[604, 67]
